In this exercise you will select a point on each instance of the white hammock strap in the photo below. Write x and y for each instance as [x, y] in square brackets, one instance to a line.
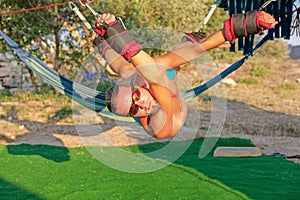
[74, 8]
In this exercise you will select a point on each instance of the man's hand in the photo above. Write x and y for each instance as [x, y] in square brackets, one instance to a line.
[225, 45]
[241, 25]
[110, 28]
[265, 20]
[103, 21]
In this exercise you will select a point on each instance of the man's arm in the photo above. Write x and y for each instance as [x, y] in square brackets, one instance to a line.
[238, 25]
[189, 51]
[118, 64]
[170, 60]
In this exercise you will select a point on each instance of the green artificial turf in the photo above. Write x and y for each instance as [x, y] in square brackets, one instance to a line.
[47, 172]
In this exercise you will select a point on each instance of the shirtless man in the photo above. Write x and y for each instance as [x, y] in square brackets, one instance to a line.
[148, 94]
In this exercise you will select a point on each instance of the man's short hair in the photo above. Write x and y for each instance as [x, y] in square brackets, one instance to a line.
[119, 99]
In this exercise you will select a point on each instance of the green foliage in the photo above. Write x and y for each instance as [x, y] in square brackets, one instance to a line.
[273, 49]
[48, 94]
[288, 86]
[5, 95]
[63, 113]
[26, 27]
[34, 29]
[250, 81]
[175, 15]
[47, 89]
[294, 130]
[258, 71]
[8, 108]
[104, 85]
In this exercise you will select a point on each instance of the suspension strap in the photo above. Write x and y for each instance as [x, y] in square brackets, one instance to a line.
[74, 8]
[211, 12]
[85, 4]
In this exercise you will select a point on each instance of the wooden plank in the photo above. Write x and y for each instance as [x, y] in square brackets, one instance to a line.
[237, 152]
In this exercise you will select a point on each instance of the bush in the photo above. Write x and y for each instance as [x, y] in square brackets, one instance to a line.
[258, 71]
[288, 86]
[104, 85]
[173, 14]
[5, 95]
[63, 113]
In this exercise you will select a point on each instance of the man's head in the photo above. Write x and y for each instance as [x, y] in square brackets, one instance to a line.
[119, 99]
[126, 100]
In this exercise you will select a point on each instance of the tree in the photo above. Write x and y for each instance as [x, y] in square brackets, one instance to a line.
[46, 29]
[42, 30]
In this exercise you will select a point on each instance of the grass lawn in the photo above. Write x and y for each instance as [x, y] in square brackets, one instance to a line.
[48, 172]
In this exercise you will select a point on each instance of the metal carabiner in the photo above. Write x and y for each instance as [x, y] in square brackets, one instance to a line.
[93, 11]
[121, 21]
[75, 9]
[89, 7]
[72, 6]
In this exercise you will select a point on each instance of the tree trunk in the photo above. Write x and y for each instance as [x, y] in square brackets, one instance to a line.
[34, 84]
[57, 46]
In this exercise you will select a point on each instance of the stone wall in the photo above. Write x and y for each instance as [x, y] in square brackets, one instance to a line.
[13, 74]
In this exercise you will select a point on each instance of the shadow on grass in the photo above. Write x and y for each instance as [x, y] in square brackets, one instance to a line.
[264, 177]
[57, 154]
[10, 191]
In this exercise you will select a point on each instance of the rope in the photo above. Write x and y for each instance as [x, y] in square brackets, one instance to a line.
[36, 8]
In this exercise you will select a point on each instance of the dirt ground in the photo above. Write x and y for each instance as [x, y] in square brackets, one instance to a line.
[266, 114]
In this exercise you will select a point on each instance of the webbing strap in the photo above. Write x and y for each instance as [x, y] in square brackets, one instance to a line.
[76, 10]
[289, 5]
[231, 5]
[210, 13]
[239, 10]
[276, 8]
[248, 7]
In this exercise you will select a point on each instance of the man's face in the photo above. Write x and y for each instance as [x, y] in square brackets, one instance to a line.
[143, 103]
[134, 101]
